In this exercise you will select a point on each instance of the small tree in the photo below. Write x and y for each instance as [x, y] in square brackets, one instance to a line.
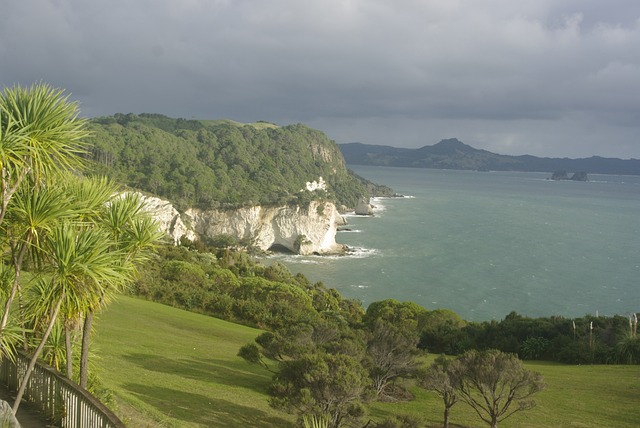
[392, 354]
[325, 385]
[491, 381]
[443, 377]
[628, 350]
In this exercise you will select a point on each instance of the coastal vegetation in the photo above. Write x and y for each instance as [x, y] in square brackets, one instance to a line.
[230, 285]
[584, 340]
[223, 164]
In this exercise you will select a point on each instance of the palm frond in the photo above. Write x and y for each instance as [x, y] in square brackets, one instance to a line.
[120, 211]
[90, 195]
[315, 421]
[49, 124]
[35, 211]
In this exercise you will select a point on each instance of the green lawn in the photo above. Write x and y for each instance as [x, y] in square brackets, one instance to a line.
[173, 368]
[169, 367]
[598, 396]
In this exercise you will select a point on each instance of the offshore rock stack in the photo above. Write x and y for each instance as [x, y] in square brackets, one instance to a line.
[562, 175]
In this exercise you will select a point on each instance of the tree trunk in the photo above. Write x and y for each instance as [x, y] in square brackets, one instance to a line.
[23, 327]
[17, 266]
[446, 417]
[34, 358]
[68, 351]
[8, 191]
[84, 353]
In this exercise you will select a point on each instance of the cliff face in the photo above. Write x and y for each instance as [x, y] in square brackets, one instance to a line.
[310, 230]
[169, 218]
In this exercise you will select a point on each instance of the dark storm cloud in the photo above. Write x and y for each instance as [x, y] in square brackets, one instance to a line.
[552, 78]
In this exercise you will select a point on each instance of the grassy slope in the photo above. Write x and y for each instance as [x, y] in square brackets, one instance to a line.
[598, 396]
[181, 369]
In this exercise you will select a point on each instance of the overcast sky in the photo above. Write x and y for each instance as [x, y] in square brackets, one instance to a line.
[542, 77]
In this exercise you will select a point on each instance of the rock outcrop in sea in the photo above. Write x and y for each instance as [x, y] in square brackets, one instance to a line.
[562, 175]
[364, 207]
[559, 175]
[580, 176]
[301, 230]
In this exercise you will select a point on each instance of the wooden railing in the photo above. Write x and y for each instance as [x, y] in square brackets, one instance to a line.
[62, 401]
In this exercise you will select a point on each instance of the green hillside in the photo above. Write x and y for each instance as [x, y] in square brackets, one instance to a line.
[222, 163]
[173, 368]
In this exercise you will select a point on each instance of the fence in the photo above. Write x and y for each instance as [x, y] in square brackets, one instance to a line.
[62, 401]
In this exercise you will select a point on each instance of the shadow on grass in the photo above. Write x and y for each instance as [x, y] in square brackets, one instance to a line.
[226, 372]
[199, 409]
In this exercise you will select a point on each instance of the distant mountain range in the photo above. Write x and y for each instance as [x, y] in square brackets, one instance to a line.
[454, 154]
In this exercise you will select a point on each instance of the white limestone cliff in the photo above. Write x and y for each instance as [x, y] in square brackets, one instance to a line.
[310, 230]
[169, 219]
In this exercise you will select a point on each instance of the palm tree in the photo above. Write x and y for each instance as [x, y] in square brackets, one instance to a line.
[36, 313]
[85, 244]
[133, 233]
[82, 265]
[40, 135]
[34, 212]
[40, 138]
[90, 197]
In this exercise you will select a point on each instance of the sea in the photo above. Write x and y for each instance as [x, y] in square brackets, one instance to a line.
[484, 244]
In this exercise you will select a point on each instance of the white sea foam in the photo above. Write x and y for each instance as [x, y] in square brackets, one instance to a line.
[295, 258]
[360, 252]
[377, 204]
[351, 253]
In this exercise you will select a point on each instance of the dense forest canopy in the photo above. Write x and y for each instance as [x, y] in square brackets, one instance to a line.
[222, 163]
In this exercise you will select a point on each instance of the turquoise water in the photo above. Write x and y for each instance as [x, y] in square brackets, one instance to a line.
[487, 243]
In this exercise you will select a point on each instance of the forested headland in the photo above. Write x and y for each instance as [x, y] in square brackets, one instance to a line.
[223, 164]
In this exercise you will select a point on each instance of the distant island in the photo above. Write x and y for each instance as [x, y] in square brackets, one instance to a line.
[562, 175]
[454, 154]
